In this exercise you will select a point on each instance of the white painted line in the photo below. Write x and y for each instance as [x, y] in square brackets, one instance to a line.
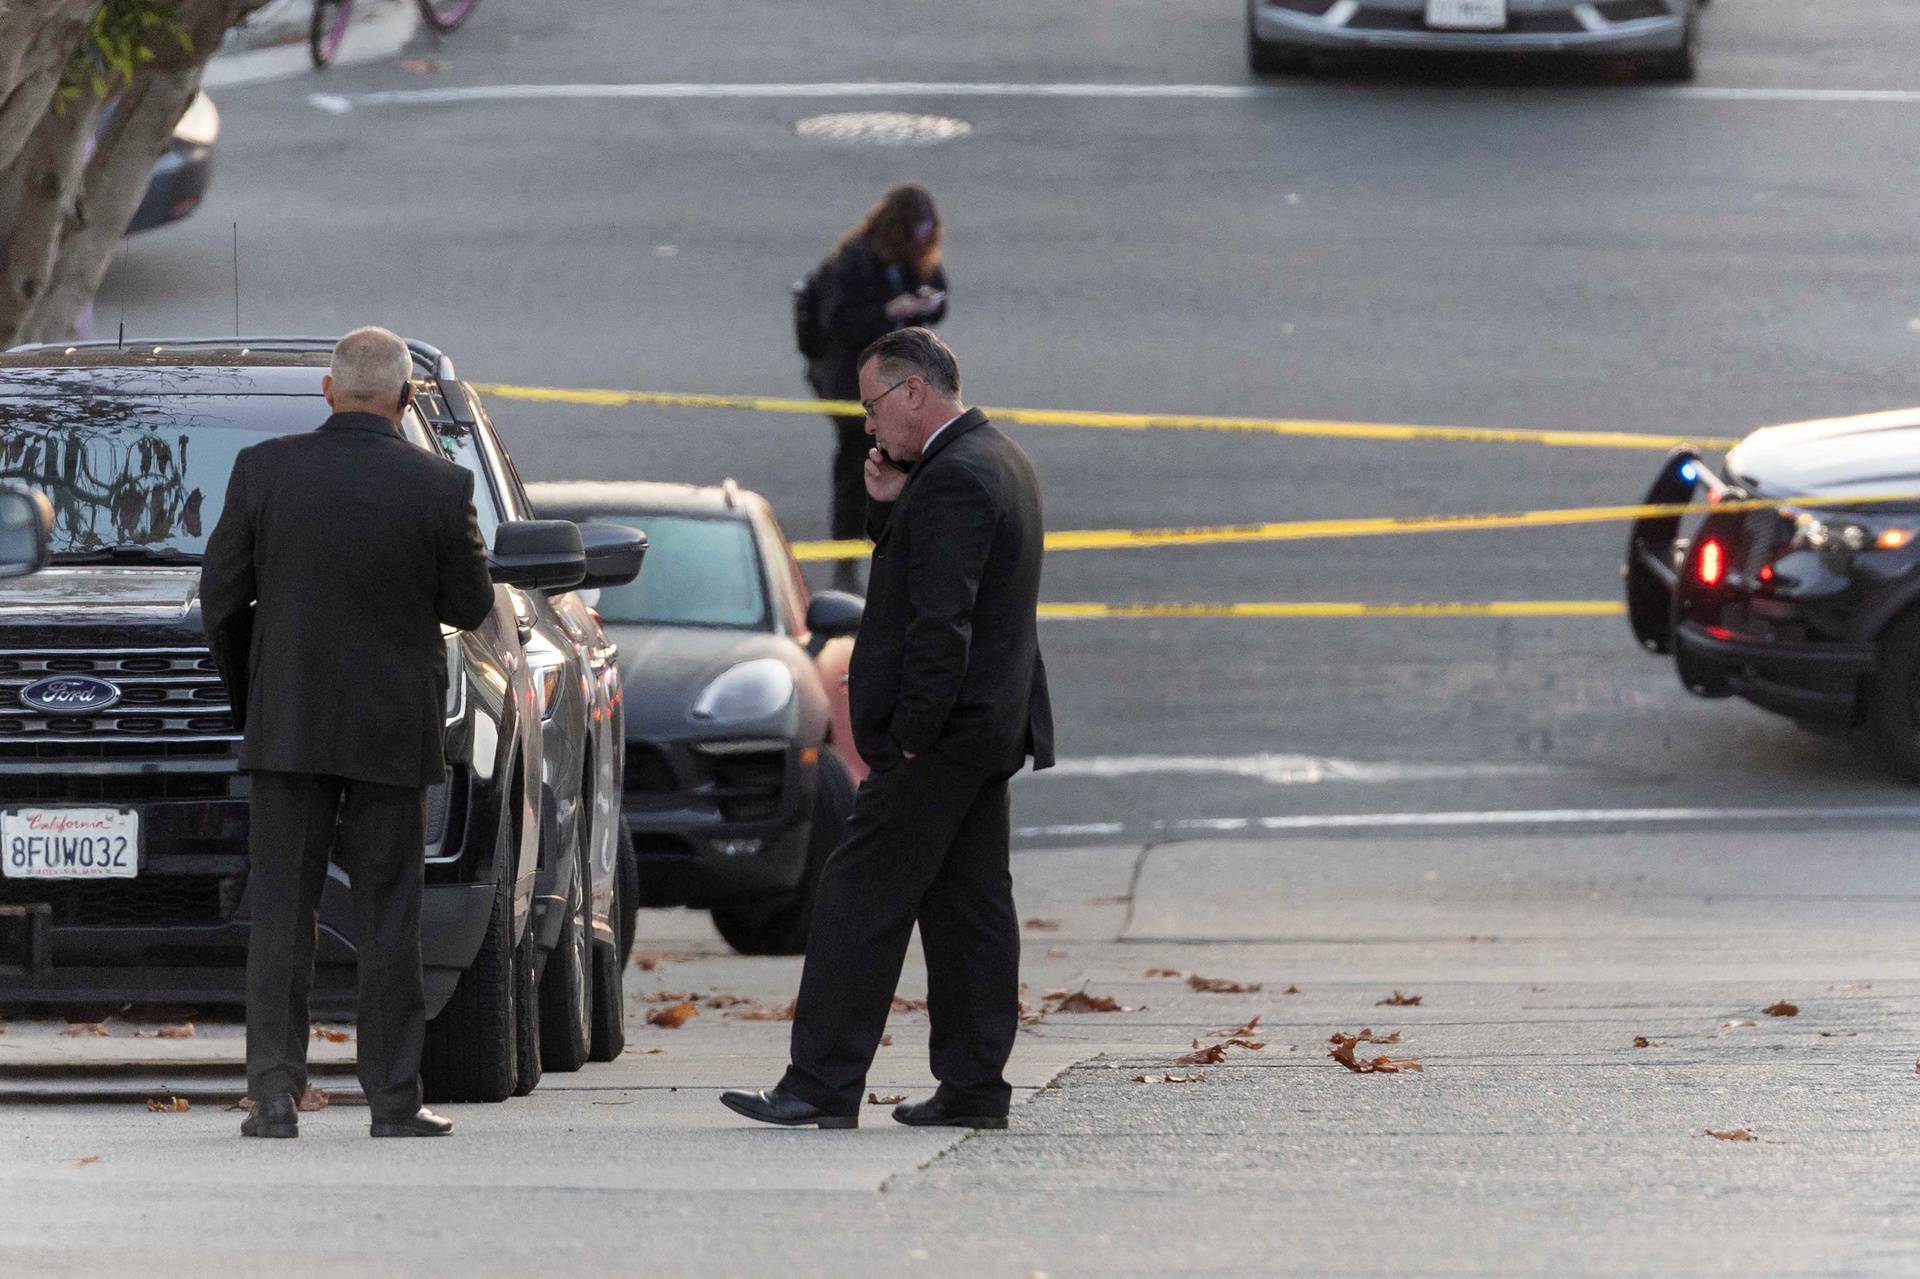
[1284, 770]
[340, 103]
[1085, 828]
[1582, 816]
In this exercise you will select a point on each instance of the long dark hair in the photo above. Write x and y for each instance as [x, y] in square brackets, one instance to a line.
[891, 229]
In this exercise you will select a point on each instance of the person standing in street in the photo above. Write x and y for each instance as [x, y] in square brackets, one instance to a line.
[885, 274]
[949, 699]
[337, 557]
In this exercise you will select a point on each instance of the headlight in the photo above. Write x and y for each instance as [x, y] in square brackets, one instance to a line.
[747, 691]
[547, 666]
[1853, 533]
[201, 123]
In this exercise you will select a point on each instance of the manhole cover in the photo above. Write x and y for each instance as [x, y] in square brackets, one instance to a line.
[883, 128]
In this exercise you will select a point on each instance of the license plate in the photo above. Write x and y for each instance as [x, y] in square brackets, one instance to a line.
[1467, 15]
[70, 843]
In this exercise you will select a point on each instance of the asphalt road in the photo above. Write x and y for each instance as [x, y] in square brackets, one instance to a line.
[1426, 243]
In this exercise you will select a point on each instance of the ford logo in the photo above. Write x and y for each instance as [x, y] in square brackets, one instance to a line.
[70, 694]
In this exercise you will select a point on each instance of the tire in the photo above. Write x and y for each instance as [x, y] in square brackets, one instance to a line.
[326, 29]
[779, 926]
[609, 1004]
[1892, 696]
[470, 1052]
[566, 987]
[1676, 67]
[527, 1065]
[445, 15]
[626, 915]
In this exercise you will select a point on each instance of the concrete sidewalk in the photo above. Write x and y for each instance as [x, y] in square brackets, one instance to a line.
[1536, 1139]
[272, 44]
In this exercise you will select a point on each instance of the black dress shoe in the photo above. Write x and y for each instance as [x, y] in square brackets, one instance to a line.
[421, 1123]
[938, 1112]
[273, 1117]
[775, 1106]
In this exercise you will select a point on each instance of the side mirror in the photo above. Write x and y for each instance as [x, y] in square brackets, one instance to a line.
[537, 555]
[833, 614]
[26, 530]
[614, 554]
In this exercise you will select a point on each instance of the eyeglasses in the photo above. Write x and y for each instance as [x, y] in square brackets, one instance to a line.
[868, 404]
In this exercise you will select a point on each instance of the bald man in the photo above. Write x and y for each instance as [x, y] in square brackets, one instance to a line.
[345, 548]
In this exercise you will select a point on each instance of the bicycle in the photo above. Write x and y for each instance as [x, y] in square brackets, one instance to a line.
[331, 18]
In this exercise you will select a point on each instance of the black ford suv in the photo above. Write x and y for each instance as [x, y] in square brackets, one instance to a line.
[115, 725]
[1798, 589]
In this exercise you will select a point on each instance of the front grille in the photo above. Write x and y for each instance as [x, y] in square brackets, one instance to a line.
[746, 784]
[649, 772]
[151, 901]
[170, 699]
[1313, 8]
[1368, 18]
[113, 788]
[1630, 10]
[1759, 538]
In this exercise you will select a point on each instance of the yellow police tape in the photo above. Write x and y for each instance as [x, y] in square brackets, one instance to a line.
[1128, 421]
[1371, 526]
[1496, 608]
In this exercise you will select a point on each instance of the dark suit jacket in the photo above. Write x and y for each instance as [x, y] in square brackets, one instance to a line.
[348, 547]
[855, 287]
[948, 657]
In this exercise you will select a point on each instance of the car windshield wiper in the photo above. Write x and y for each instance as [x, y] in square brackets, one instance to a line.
[126, 554]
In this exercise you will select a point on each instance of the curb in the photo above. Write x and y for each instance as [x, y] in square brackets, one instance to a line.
[273, 44]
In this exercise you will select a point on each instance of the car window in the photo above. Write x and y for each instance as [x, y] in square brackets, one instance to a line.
[458, 443]
[697, 572]
[782, 571]
[512, 492]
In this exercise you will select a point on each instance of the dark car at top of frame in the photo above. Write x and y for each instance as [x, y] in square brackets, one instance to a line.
[1798, 589]
[110, 704]
[740, 762]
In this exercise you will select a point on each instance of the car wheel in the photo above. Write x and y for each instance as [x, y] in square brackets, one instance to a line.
[1269, 57]
[1678, 66]
[779, 927]
[470, 1053]
[527, 1014]
[566, 987]
[627, 887]
[609, 1003]
[1893, 695]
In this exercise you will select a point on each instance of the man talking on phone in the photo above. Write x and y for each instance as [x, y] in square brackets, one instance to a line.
[338, 555]
[949, 700]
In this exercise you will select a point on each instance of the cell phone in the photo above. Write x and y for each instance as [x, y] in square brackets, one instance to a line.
[885, 457]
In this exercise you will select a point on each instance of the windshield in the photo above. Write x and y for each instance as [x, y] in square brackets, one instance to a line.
[139, 480]
[697, 572]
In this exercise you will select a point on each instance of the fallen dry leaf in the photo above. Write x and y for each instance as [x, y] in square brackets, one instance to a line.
[87, 1162]
[313, 1099]
[1366, 1036]
[1029, 1015]
[648, 960]
[1839, 1034]
[1782, 1009]
[886, 1041]
[1212, 1055]
[767, 1014]
[652, 1052]
[1221, 986]
[421, 66]
[1398, 1000]
[86, 1030]
[891, 1099]
[725, 1001]
[330, 1034]
[175, 1032]
[1197, 1077]
[1163, 972]
[909, 1005]
[1247, 1029]
[674, 1017]
[1251, 1045]
[1343, 1046]
[1291, 990]
[1079, 1001]
[1732, 1134]
[1641, 1041]
[171, 1106]
[1042, 925]
[1054, 952]
[671, 997]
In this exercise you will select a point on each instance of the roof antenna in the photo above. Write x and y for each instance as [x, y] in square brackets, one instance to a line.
[236, 279]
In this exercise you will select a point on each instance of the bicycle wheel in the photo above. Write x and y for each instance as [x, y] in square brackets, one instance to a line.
[445, 15]
[327, 29]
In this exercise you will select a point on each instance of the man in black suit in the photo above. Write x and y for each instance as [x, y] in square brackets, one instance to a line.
[346, 548]
[949, 699]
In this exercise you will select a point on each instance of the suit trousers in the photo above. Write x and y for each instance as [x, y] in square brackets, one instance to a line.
[927, 844]
[378, 833]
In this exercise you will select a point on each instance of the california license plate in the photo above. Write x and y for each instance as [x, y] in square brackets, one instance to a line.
[69, 843]
[1467, 15]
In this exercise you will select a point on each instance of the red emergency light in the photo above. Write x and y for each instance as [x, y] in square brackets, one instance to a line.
[1712, 564]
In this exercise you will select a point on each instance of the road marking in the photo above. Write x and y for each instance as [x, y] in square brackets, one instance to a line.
[1285, 770]
[341, 103]
[1495, 818]
[1102, 420]
[1337, 609]
[1372, 526]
